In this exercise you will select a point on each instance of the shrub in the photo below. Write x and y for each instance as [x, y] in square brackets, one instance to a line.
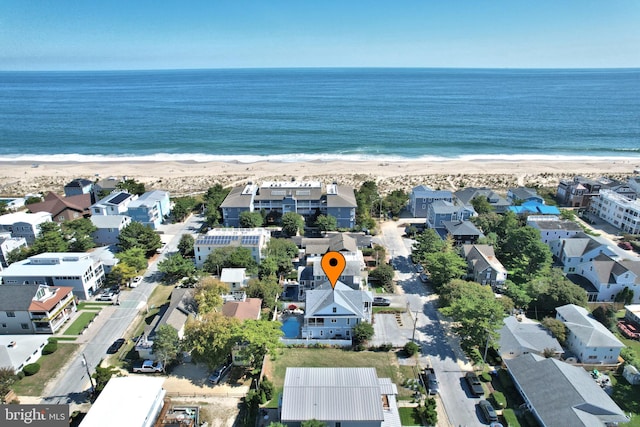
[385, 347]
[476, 356]
[31, 369]
[50, 348]
[20, 375]
[486, 377]
[411, 348]
[510, 418]
[267, 387]
[499, 399]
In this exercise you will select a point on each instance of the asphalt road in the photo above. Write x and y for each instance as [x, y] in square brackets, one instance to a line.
[438, 349]
[72, 384]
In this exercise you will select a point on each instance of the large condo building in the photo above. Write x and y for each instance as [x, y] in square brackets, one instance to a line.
[307, 198]
[617, 210]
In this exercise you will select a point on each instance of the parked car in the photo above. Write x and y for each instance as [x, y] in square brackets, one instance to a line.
[115, 289]
[625, 245]
[381, 302]
[474, 384]
[217, 375]
[117, 344]
[135, 282]
[148, 366]
[419, 268]
[106, 296]
[487, 410]
[424, 277]
[431, 381]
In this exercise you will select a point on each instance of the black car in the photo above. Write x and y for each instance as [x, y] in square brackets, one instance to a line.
[381, 302]
[117, 344]
[474, 384]
[114, 289]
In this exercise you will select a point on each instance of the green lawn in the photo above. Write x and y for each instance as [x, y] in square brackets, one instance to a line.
[80, 323]
[49, 367]
[88, 305]
[408, 418]
[386, 364]
[627, 397]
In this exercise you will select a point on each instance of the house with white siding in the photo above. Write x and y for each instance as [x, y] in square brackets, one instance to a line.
[23, 224]
[553, 228]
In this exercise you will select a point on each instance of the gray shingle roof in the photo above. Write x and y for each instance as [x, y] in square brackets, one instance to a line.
[527, 336]
[483, 256]
[16, 297]
[331, 394]
[563, 394]
[578, 246]
[236, 199]
[468, 194]
[348, 301]
[461, 228]
[588, 330]
[109, 221]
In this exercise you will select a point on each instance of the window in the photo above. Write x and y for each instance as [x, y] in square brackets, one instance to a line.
[24, 325]
[334, 320]
[334, 309]
[4, 325]
[11, 314]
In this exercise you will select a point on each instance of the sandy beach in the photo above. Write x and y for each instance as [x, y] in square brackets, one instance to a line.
[182, 178]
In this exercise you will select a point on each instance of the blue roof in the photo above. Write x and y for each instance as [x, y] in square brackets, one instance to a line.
[532, 206]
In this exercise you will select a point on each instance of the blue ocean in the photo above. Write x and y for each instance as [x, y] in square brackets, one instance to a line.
[319, 114]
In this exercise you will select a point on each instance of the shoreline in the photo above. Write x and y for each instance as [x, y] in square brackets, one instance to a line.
[181, 177]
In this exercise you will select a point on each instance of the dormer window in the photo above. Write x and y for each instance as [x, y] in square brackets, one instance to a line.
[334, 310]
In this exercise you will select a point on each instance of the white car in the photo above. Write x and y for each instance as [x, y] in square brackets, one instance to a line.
[135, 282]
[106, 296]
[148, 366]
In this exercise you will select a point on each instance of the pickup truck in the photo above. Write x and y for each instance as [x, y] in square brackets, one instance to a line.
[430, 381]
[148, 366]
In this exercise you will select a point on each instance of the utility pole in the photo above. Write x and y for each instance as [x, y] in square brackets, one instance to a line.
[86, 365]
[415, 323]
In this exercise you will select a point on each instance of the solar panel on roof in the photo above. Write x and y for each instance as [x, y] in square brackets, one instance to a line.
[119, 198]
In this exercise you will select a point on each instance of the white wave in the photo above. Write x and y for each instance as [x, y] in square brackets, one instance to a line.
[298, 157]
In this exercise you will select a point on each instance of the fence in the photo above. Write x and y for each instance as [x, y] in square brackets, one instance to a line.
[312, 342]
[216, 393]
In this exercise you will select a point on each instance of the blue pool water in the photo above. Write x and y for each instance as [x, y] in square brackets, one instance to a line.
[291, 327]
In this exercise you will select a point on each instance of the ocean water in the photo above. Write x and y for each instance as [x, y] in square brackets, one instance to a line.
[319, 114]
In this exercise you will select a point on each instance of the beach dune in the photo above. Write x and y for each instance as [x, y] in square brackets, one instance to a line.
[182, 178]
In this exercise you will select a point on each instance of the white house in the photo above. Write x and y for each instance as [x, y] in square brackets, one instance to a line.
[587, 338]
[116, 203]
[23, 224]
[570, 252]
[9, 244]
[255, 239]
[552, 227]
[522, 336]
[618, 210]
[333, 313]
[235, 278]
[78, 270]
[608, 276]
[16, 351]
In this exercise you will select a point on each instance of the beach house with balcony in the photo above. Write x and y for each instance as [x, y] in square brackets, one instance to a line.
[422, 196]
[23, 224]
[151, 208]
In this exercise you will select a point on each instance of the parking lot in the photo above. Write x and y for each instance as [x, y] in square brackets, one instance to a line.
[393, 328]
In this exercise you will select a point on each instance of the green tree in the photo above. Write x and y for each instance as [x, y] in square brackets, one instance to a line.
[102, 377]
[186, 245]
[208, 295]
[134, 258]
[558, 291]
[258, 338]
[229, 257]
[33, 199]
[445, 266]
[606, 315]
[426, 243]
[292, 223]
[625, 296]
[524, 254]
[251, 219]
[166, 344]
[210, 338]
[7, 379]
[49, 240]
[136, 235]
[476, 311]
[120, 274]
[567, 214]
[368, 204]
[182, 207]
[481, 205]
[267, 289]
[175, 267]
[326, 223]
[362, 333]
[383, 274]
[312, 423]
[213, 199]
[131, 186]
[78, 233]
[395, 202]
[268, 267]
[556, 327]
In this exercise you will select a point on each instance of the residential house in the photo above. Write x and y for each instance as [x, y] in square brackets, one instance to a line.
[312, 274]
[339, 397]
[519, 195]
[9, 244]
[307, 198]
[333, 313]
[570, 252]
[116, 203]
[588, 339]
[106, 256]
[78, 270]
[80, 186]
[579, 191]
[151, 208]
[422, 196]
[618, 210]
[521, 335]
[16, 351]
[63, 208]
[442, 210]
[483, 266]
[558, 393]
[107, 185]
[533, 207]
[108, 228]
[255, 239]
[34, 309]
[632, 313]
[553, 228]
[23, 224]
[248, 309]
[462, 232]
[133, 401]
[497, 202]
[235, 278]
[634, 185]
[340, 242]
[608, 276]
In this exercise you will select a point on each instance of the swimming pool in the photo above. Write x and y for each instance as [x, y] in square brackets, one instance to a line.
[291, 327]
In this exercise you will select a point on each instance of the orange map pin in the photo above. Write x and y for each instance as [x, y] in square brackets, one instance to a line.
[333, 264]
